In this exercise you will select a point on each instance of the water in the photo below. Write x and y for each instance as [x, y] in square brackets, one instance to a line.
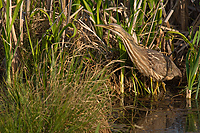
[168, 115]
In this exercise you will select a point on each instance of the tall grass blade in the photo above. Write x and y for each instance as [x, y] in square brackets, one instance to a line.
[187, 65]
[29, 37]
[198, 39]
[97, 129]
[68, 25]
[196, 63]
[198, 85]
[89, 9]
[184, 38]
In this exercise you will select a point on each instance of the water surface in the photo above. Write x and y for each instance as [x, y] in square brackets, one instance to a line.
[165, 115]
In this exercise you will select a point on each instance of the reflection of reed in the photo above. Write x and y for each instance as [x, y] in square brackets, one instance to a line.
[193, 116]
[188, 103]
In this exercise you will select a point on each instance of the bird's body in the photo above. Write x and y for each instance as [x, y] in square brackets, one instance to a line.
[149, 62]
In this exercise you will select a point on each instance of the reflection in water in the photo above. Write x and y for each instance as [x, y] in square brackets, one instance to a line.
[171, 116]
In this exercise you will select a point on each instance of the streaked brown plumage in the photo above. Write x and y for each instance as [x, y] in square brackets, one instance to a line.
[149, 62]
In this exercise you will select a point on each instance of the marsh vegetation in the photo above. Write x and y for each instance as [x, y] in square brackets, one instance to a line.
[61, 73]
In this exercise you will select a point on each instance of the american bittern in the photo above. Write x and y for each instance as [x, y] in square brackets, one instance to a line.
[149, 62]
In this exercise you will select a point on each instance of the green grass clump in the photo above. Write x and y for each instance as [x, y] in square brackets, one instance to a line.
[77, 102]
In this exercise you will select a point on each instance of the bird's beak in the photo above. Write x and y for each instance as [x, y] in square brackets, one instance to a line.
[100, 25]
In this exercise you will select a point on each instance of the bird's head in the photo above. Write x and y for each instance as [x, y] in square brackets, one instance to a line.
[113, 27]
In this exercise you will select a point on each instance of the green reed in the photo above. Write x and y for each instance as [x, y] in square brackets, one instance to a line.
[6, 37]
[94, 13]
[192, 63]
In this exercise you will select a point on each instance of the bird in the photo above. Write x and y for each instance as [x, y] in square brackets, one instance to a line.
[149, 62]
